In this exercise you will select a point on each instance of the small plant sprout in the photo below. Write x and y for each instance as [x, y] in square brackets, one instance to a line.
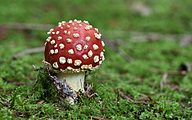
[71, 49]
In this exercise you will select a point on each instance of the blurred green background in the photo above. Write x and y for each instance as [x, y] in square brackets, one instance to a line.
[156, 34]
[163, 16]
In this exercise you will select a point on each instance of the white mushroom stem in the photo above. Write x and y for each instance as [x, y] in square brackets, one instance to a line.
[74, 80]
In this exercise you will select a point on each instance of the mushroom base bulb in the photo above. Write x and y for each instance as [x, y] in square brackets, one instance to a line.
[74, 80]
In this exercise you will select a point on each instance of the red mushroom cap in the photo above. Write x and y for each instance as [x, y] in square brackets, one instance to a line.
[73, 46]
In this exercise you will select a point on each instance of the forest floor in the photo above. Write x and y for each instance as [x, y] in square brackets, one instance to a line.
[146, 73]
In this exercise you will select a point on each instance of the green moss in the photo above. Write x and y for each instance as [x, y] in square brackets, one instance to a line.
[116, 20]
[44, 88]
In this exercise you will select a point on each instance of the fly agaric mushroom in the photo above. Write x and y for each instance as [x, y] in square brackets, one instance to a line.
[71, 49]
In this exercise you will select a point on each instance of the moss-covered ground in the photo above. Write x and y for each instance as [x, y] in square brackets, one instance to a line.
[156, 34]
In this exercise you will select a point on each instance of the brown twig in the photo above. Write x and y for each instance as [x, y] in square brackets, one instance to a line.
[138, 102]
[4, 104]
[94, 94]
[169, 72]
[151, 36]
[99, 118]
[135, 102]
[123, 95]
[29, 51]
[49, 116]
[36, 69]
[37, 109]
[41, 102]
[79, 96]
[4, 100]
[28, 26]
[150, 100]
[43, 117]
